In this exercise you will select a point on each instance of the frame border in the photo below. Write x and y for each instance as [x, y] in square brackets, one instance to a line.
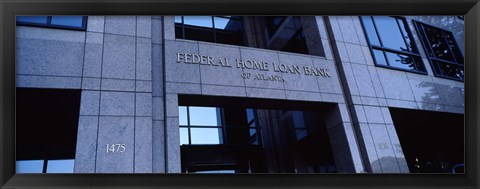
[10, 8]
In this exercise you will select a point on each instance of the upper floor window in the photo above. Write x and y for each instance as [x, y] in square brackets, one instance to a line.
[217, 29]
[65, 22]
[442, 51]
[285, 33]
[392, 44]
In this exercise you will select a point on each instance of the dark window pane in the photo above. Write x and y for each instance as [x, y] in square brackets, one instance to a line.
[199, 21]
[227, 24]
[451, 70]
[74, 21]
[379, 57]
[29, 166]
[370, 30]
[178, 31]
[400, 61]
[253, 136]
[60, 166]
[199, 33]
[32, 19]
[389, 32]
[183, 135]
[206, 135]
[438, 44]
[229, 38]
[453, 46]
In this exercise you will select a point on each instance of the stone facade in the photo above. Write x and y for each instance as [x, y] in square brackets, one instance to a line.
[128, 70]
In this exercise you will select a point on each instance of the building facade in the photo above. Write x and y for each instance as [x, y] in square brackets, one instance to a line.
[240, 94]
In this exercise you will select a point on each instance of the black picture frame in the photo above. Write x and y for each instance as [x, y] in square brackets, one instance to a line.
[10, 8]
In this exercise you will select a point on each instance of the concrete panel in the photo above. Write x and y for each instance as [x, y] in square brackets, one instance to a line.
[337, 35]
[158, 141]
[115, 130]
[86, 144]
[49, 57]
[122, 25]
[359, 29]
[90, 83]
[363, 80]
[402, 104]
[143, 86]
[143, 59]
[395, 84]
[385, 151]
[264, 56]
[299, 81]
[92, 65]
[157, 109]
[143, 104]
[368, 56]
[117, 103]
[377, 86]
[328, 84]
[181, 72]
[183, 88]
[144, 26]
[335, 98]
[169, 27]
[90, 101]
[303, 95]
[370, 101]
[173, 147]
[143, 145]
[172, 105]
[118, 85]
[96, 23]
[157, 70]
[373, 114]
[265, 93]
[217, 90]
[219, 75]
[48, 82]
[119, 57]
[347, 29]
[355, 53]
[157, 31]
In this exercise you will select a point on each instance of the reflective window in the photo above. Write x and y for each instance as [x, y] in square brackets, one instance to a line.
[285, 33]
[45, 166]
[29, 166]
[200, 125]
[391, 43]
[60, 166]
[217, 29]
[442, 51]
[65, 22]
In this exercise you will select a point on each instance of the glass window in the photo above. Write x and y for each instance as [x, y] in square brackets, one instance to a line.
[65, 22]
[60, 166]
[391, 44]
[29, 166]
[204, 116]
[200, 125]
[217, 29]
[286, 34]
[442, 51]
[206, 135]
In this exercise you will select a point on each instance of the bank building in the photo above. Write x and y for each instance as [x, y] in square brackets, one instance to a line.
[239, 94]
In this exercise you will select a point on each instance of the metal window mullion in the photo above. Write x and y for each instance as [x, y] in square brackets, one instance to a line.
[183, 37]
[188, 125]
[431, 50]
[448, 45]
[45, 164]
[446, 61]
[213, 29]
[405, 41]
[379, 40]
[49, 20]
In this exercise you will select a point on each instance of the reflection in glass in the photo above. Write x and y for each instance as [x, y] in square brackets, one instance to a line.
[75, 21]
[178, 19]
[370, 30]
[400, 61]
[60, 166]
[438, 44]
[379, 57]
[204, 116]
[200, 21]
[182, 115]
[206, 135]
[389, 33]
[29, 166]
[183, 136]
[32, 19]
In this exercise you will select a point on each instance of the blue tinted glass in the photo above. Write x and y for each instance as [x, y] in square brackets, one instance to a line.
[60, 166]
[390, 33]
[379, 57]
[178, 19]
[404, 29]
[29, 166]
[298, 121]
[253, 136]
[370, 30]
[217, 171]
[74, 21]
[400, 61]
[227, 24]
[32, 19]
[204, 116]
[182, 115]
[206, 135]
[201, 21]
[183, 136]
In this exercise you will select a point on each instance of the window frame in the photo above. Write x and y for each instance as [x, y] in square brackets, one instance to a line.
[212, 29]
[415, 56]
[55, 26]
[189, 126]
[435, 65]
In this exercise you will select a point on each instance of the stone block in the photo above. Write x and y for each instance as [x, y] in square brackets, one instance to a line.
[158, 141]
[172, 105]
[157, 31]
[115, 130]
[89, 103]
[347, 29]
[119, 57]
[117, 103]
[384, 147]
[30, 81]
[303, 96]
[143, 104]
[96, 23]
[118, 85]
[395, 84]
[158, 108]
[220, 75]
[169, 27]
[377, 86]
[143, 86]
[183, 88]
[328, 84]
[157, 70]
[122, 25]
[179, 71]
[143, 145]
[298, 81]
[260, 55]
[173, 147]
[265, 93]
[402, 104]
[86, 144]
[144, 26]
[335, 98]
[337, 35]
[143, 69]
[373, 114]
[90, 83]
[363, 80]
[217, 90]
[92, 63]
[355, 53]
